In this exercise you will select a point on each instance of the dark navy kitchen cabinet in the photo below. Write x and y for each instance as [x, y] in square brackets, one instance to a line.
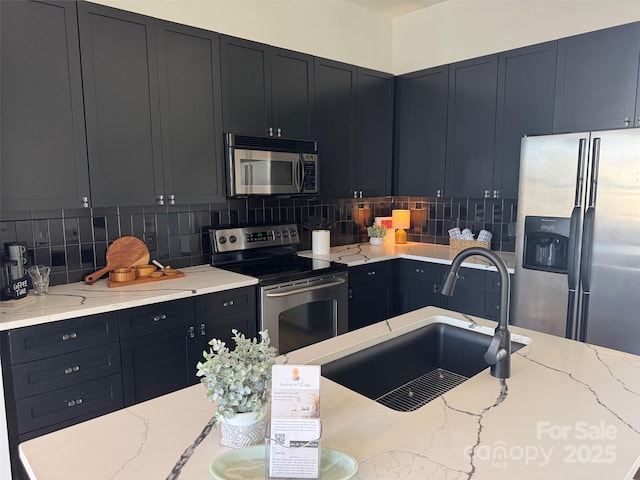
[370, 293]
[217, 314]
[597, 80]
[191, 114]
[471, 127]
[421, 132]
[374, 133]
[419, 284]
[354, 122]
[155, 345]
[120, 80]
[335, 106]
[526, 84]
[42, 142]
[267, 91]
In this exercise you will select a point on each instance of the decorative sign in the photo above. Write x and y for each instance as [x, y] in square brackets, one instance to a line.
[293, 441]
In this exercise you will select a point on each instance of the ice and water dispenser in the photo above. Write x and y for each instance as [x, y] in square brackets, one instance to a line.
[546, 243]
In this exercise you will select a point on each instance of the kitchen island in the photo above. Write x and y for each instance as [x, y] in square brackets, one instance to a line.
[569, 410]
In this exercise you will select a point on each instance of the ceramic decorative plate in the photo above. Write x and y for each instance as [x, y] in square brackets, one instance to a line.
[249, 464]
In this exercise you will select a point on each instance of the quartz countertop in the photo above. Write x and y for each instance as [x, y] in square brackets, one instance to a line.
[569, 410]
[361, 253]
[78, 299]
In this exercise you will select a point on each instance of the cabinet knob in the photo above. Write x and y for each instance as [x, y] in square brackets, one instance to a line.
[160, 199]
[487, 194]
[192, 332]
[227, 303]
[496, 194]
[172, 199]
[419, 270]
[69, 336]
[279, 132]
[360, 194]
[73, 369]
[203, 329]
[74, 402]
[435, 288]
[162, 316]
[85, 202]
[439, 193]
[271, 131]
[626, 122]
[371, 273]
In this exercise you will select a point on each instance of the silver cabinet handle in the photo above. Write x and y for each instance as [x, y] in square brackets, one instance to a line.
[159, 317]
[85, 202]
[279, 132]
[74, 402]
[371, 273]
[69, 336]
[160, 199]
[228, 303]
[271, 131]
[626, 122]
[73, 369]
[172, 199]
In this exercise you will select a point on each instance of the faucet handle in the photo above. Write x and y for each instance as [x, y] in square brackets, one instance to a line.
[491, 355]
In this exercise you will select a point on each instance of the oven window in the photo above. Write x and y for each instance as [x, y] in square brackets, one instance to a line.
[306, 324]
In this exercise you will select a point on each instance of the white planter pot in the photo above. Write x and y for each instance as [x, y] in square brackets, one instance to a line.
[242, 430]
[376, 240]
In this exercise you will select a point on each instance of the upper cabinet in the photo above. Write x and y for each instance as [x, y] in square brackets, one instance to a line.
[191, 114]
[267, 91]
[120, 78]
[597, 80]
[42, 140]
[471, 127]
[153, 109]
[526, 83]
[354, 122]
[421, 132]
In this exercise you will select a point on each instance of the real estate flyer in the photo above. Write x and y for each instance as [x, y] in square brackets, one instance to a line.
[295, 428]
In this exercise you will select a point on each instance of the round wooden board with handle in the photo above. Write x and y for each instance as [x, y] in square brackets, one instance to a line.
[124, 252]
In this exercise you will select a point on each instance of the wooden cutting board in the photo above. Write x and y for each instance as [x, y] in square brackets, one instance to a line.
[112, 284]
[124, 252]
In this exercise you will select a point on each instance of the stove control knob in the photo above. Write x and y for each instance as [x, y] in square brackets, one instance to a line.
[222, 240]
[294, 233]
[232, 239]
[277, 234]
[285, 234]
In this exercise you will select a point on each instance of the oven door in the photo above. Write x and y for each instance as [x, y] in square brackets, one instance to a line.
[303, 312]
[260, 172]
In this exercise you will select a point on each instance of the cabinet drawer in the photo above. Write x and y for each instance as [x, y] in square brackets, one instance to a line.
[424, 271]
[230, 302]
[56, 338]
[65, 370]
[471, 279]
[156, 318]
[370, 272]
[60, 405]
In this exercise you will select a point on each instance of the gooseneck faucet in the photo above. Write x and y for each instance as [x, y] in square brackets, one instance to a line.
[499, 353]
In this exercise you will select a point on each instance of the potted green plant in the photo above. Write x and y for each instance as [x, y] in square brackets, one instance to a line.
[376, 234]
[239, 380]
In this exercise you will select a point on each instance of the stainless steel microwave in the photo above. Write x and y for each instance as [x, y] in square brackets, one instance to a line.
[270, 166]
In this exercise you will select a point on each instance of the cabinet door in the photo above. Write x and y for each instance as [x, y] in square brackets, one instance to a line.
[597, 80]
[42, 141]
[153, 365]
[191, 113]
[421, 132]
[419, 285]
[119, 69]
[369, 303]
[246, 86]
[471, 127]
[218, 313]
[292, 87]
[526, 84]
[335, 104]
[374, 133]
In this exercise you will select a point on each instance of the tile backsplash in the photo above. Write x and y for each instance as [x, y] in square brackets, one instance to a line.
[74, 241]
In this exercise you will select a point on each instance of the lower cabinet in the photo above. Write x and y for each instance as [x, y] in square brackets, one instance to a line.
[61, 373]
[370, 294]
[419, 285]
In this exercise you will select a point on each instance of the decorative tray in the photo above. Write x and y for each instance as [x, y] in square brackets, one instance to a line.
[112, 284]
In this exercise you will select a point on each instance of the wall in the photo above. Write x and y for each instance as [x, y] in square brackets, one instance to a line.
[331, 29]
[461, 29]
[74, 241]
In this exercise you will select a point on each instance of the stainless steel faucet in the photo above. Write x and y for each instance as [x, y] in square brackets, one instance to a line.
[499, 353]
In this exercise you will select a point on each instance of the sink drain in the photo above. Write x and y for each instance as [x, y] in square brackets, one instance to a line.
[420, 391]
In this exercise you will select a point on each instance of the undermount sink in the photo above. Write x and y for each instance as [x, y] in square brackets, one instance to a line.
[408, 371]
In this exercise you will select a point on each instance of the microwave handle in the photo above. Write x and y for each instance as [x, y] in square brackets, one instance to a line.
[299, 176]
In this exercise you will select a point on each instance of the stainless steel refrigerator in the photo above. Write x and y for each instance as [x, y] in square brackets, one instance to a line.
[578, 237]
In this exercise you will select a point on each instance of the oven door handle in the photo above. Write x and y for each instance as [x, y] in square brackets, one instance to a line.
[310, 288]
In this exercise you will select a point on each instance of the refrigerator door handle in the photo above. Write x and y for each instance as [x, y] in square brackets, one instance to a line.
[572, 274]
[585, 271]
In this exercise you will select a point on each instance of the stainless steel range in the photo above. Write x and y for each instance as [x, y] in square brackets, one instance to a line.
[300, 300]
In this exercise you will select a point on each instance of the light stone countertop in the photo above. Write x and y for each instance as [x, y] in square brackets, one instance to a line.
[78, 299]
[569, 410]
[361, 253]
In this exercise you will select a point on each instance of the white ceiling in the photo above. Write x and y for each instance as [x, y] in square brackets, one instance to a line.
[394, 8]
